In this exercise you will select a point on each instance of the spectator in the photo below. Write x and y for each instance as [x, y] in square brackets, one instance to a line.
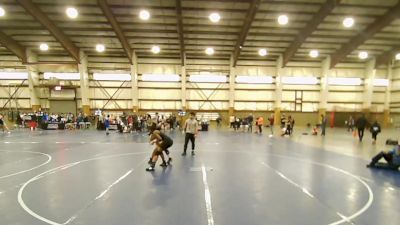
[250, 120]
[283, 121]
[219, 119]
[271, 120]
[236, 123]
[323, 124]
[392, 157]
[107, 124]
[350, 124]
[361, 124]
[289, 124]
[260, 123]
[232, 120]
[3, 124]
[375, 130]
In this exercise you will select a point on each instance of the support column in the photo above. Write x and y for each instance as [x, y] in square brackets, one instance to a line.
[33, 80]
[232, 76]
[323, 101]
[368, 86]
[183, 87]
[278, 89]
[134, 83]
[386, 109]
[84, 80]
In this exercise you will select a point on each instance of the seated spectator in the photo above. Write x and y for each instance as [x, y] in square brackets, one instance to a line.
[392, 157]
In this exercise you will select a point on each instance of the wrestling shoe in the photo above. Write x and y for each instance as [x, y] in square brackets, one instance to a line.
[163, 164]
[150, 169]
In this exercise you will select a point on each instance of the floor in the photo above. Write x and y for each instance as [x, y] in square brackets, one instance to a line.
[236, 178]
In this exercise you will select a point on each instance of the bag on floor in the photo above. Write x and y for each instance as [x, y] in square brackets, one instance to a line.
[392, 142]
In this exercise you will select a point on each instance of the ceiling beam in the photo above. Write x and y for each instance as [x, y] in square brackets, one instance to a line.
[13, 46]
[387, 56]
[116, 27]
[306, 32]
[251, 14]
[41, 17]
[380, 23]
[180, 31]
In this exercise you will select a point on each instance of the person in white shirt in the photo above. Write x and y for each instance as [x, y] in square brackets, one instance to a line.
[191, 130]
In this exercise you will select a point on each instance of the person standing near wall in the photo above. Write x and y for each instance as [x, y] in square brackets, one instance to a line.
[271, 120]
[323, 124]
[250, 120]
[219, 119]
[232, 120]
[3, 124]
[191, 129]
[350, 124]
[107, 124]
[361, 124]
[283, 121]
[260, 123]
[375, 130]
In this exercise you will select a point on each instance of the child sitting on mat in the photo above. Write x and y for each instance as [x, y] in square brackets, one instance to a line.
[392, 157]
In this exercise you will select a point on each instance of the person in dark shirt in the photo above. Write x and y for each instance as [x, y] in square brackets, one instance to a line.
[323, 124]
[392, 157]
[163, 142]
[107, 124]
[271, 120]
[375, 130]
[283, 121]
[361, 123]
[250, 120]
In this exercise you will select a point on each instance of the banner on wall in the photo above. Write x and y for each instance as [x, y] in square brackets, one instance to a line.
[332, 119]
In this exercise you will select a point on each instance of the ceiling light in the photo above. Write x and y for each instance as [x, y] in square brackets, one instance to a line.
[144, 15]
[209, 78]
[214, 17]
[43, 47]
[254, 79]
[262, 52]
[209, 51]
[100, 48]
[72, 12]
[155, 49]
[363, 55]
[13, 75]
[112, 76]
[61, 76]
[2, 12]
[398, 56]
[161, 77]
[346, 81]
[380, 82]
[348, 22]
[314, 53]
[300, 80]
[283, 19]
